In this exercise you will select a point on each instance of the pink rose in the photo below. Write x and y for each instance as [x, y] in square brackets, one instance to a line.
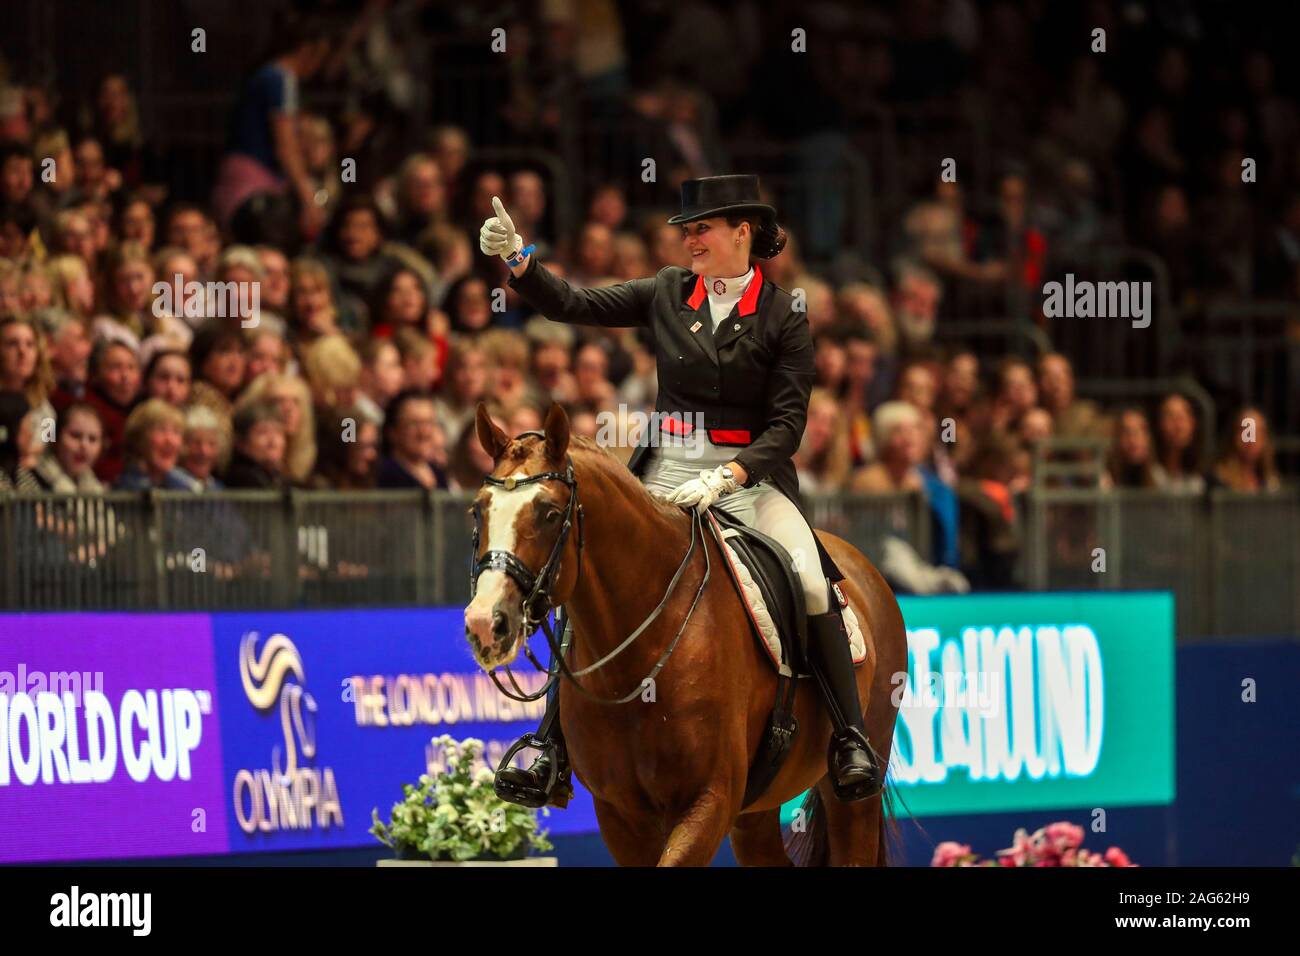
[1117, 857]
[1063, 835]
[1019, 848]
[949, 853]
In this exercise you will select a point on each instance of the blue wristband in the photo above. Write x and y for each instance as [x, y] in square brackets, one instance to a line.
[521, 255]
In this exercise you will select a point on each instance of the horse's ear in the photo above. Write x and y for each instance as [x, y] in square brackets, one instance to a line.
[557, 432]
[492, 438]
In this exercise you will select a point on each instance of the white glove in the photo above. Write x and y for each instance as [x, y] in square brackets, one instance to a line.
[700, 493]
[498, 236]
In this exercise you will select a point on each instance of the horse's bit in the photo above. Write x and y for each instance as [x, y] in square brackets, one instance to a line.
[537, 592]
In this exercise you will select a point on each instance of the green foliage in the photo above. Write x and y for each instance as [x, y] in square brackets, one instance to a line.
[456, 815]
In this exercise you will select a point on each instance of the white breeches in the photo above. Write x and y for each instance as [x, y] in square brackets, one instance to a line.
[761, 507]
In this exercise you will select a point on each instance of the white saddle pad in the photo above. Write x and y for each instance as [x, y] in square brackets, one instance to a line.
[766, 627]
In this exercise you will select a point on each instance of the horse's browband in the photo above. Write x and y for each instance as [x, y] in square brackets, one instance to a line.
[510, 482]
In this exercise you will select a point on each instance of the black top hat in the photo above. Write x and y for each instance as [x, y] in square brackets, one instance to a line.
[719, 196]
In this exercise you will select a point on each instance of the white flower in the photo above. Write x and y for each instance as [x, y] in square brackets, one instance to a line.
[485, 775]
[448, 813]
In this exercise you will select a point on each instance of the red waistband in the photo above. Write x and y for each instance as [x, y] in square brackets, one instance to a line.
[729, 436]
[719, 436]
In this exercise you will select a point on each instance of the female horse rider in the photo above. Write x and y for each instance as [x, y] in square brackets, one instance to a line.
[735, 357]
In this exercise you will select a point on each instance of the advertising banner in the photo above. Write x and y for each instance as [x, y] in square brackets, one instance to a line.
[110, 741]
[328, 713]
[1025, 701]
[130, 735]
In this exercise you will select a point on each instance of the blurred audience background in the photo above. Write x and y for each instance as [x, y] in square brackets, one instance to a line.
[340, 157]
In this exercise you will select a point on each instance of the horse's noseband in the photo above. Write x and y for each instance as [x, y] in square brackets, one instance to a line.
[537, 593]
[536, 587]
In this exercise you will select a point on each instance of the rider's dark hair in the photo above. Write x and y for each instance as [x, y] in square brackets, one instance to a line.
[769, 237]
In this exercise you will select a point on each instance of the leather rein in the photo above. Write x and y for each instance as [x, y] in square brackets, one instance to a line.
[537, 593]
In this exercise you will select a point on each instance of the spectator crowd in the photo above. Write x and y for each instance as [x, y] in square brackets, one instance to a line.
[300, 329]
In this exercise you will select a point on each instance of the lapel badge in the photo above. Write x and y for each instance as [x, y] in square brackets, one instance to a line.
[696, 327]
[736, 327]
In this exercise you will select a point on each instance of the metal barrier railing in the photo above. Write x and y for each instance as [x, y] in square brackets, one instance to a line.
[866, 521]
[1232, 560]
[263, 549]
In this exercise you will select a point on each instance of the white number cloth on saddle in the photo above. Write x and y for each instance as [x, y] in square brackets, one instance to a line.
[765, 627]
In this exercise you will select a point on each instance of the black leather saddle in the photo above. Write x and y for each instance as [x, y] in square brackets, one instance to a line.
[773, 570]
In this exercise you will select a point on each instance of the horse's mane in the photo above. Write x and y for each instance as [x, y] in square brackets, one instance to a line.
[588, 454]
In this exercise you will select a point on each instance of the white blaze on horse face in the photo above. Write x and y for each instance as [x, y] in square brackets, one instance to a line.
[502, 514]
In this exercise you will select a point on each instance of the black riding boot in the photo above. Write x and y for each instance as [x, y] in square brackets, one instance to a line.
[548, 781]
[854, 767]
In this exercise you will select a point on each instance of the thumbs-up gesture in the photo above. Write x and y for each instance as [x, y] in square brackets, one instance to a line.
[498, 236]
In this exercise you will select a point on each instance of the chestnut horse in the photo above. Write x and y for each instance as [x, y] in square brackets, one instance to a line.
[667, 770]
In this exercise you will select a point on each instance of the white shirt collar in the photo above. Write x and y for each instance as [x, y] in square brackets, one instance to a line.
[733, 287]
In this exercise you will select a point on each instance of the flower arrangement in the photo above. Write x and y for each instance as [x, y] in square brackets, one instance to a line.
[1057, 844]
[455, 815]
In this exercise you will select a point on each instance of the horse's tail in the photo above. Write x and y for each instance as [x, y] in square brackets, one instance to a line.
[808, 842]
[889, 841]
[891, 830]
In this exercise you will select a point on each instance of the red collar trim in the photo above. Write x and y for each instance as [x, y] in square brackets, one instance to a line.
[749, 301]
[748, 304]
[697, 297]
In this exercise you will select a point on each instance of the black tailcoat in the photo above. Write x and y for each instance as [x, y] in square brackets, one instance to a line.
[750, 381]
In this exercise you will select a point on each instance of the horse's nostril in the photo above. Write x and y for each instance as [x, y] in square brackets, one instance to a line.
[499, 623]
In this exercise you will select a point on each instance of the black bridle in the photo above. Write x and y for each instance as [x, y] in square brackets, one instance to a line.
[538, 599]
[536, 587]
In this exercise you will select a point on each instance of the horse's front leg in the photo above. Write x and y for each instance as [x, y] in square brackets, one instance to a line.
[700, 829]
[632, 839]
